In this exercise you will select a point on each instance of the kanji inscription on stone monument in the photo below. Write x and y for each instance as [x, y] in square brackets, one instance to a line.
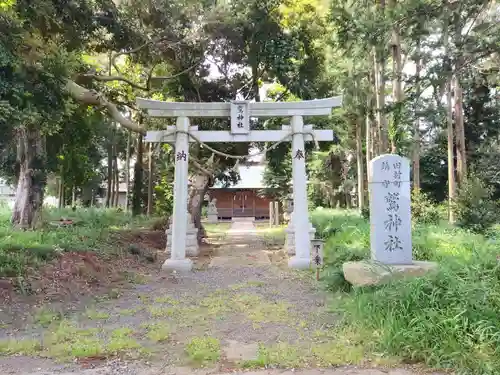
[390, 216]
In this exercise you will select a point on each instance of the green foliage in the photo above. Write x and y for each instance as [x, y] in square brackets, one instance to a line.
[330, 181]
[446, 319]
[347, 239]
[20, 250]
[203, 350]
[423, 211]
[474, 207]
[163, 189]
[365, 212]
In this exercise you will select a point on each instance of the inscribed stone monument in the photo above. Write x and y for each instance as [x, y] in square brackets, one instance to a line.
[390, 226]
[390, 217]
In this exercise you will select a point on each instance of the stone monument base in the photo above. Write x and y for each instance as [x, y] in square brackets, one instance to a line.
[367, 273]
[212, 218]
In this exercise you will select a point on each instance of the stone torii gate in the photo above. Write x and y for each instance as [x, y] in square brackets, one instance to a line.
[240, 113]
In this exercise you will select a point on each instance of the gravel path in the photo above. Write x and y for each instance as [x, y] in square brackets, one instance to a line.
[237, 310]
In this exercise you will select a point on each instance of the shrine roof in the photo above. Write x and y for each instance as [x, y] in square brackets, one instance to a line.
[251, 178]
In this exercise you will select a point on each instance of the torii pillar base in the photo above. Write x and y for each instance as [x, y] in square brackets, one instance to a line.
[299, 263]
[178, 265]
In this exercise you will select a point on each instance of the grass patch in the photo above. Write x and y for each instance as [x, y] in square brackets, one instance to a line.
[112, 294]
[330, 348]
[203, 350]
[162, 312]
[219, 228]
[248, 284]
[129, 312]
[45, 316]
[167, 300]
[20, 250]
[260, 311]
[134, 278]
[93, 314]
[272, 236]
[121, 342]
[157, 332]
[448, 319]
[282, 355]
[25, 347]
[65, 342]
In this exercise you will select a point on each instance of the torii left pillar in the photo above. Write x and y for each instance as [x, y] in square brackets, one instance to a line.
[178, 260]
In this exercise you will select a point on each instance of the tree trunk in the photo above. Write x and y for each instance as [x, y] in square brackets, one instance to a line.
[416, 128]
[60, 194]
[109, 174]
[449, 118]
[73, 196]
[361, 169]
[113, 179]
[368, 135]
[459, 113]
[138, 179]
[32, 179]
[255, 81]
[383, 132]
[397, 87]
[127, 170]
[117, 181]
[199, 187]
[150, 180]
[460, 133]
[382, 141]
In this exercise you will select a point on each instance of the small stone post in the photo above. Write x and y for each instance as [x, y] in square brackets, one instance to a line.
[271, 214]
[276, 213]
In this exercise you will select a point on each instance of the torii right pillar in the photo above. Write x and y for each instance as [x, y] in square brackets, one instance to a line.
[302, 257]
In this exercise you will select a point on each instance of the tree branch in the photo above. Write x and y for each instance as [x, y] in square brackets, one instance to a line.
[134, 50]
[93, 98]
[198, 166]
[151, 78]
[101, 78]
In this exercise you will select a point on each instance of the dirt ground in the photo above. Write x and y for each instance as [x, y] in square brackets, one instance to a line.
[240, 309]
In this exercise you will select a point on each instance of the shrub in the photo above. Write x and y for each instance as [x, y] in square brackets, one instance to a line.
[422, 209]
[347, 239]
[164, 197]
[473, 206]
[20, 250]
[365, 212]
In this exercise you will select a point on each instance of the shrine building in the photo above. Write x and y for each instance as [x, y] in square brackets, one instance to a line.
[243, 199]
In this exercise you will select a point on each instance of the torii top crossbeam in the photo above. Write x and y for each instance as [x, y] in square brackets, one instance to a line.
[317, 107]
[240, 112]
